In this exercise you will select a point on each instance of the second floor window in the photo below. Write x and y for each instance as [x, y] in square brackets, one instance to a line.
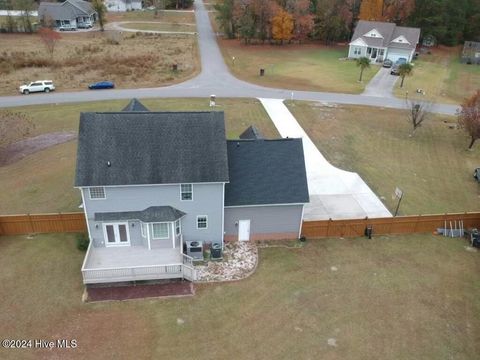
[186, 191]
[97, 192]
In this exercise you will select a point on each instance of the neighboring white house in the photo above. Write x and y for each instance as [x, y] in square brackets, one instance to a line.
[381, 40]
[123, 5]
[69, 15]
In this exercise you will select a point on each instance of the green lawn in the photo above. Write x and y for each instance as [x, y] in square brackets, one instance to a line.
[161, 27]
[442, 76]
[43, 182]
[432, 167]
[414, 297]
[149, 15]
[299, 67]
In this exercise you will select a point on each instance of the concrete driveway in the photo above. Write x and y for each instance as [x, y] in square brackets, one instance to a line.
[381, 84]
[334, 193]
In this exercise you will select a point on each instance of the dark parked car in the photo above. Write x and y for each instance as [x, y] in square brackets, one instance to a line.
[387, 63]
[101, 85]
[397, 64]
[476, 174]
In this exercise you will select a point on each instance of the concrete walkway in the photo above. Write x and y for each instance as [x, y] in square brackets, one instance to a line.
[381, 85]
[334, 193]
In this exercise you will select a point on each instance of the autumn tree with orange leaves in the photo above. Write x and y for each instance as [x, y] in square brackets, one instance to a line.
[469, 117]
[282, 26]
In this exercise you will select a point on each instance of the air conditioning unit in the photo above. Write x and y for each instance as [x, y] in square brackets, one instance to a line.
[195, 249]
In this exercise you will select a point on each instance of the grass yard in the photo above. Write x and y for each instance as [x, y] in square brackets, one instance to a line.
[158, 26]
[43, 182]
[137, 60]
[299, 67]
[442, 76]
[433, 167]
[149, 15]
[414, 297]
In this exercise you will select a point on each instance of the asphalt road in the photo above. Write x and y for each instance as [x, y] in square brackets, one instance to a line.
[215, 78]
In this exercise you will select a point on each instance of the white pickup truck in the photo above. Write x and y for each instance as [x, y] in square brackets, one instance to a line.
[37, 86]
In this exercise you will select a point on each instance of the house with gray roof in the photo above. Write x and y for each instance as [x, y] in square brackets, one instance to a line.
[381, 40]
[154, 183]
[68, 15]
[123, 5]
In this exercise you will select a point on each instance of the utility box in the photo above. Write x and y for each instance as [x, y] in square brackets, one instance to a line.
[216, 251]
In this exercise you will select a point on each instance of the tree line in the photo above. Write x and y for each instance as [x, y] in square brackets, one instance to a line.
[449, 21]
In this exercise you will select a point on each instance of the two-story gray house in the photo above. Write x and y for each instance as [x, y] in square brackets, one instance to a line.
[152, 182]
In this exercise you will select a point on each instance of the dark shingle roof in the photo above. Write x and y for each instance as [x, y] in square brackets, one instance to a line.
[389, 32]
[67, 10]
[251, 133]
[266, 172]
[135, 105]
[151, 214]
[128, 148]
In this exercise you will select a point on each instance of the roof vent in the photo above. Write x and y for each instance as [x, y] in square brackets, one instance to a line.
[109, 163]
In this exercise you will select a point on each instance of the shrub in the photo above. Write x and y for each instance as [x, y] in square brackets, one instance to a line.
[82, 241]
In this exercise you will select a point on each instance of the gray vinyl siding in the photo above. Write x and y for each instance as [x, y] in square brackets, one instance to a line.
[264, 219]
[207, 200]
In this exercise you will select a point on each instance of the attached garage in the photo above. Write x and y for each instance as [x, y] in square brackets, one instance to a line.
[267, 190]
[394, 54]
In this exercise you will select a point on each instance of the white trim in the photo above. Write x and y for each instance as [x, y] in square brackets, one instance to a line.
[181, 192]
[116, 232]
[242, 206]
[301, 223]
[206, 222]
[161, 238]
[149, 237]
[142, 229]
[86, 215]
[169, 184]
[400, 40]
[358, 42]
[374, 33]
[174, 237]
[99, 198]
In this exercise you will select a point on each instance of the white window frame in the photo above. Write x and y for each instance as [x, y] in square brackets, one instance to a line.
[144, 229]
[116, 232]
[181, 192]
[357, 51]
[160, 238]
[97, 198]
[206, 222]
[179, 227]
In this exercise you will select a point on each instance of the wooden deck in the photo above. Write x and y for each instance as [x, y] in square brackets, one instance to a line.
[135, 263]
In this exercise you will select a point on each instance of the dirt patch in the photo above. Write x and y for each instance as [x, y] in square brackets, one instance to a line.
[175, 288]
[18, 150]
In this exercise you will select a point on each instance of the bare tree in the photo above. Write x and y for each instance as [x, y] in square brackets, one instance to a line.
[418, 111]
[49, 38]
[101, 10]
[469, 117]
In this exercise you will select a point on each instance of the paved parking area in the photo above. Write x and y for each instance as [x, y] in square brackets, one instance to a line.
[334, 193]
[381, 85]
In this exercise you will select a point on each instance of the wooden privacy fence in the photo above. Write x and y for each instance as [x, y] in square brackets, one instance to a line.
[42, 223]
[384, 226]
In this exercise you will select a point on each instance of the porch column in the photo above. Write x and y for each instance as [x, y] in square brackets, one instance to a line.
[173, 233]
[148, 236]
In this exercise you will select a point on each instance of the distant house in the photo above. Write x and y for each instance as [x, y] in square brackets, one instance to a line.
[123, 5]
[153, 183]
[381, 40]
[69, 15]
[471, 53]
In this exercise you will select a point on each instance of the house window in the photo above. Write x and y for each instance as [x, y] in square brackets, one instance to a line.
[357, 51]
[160, 231]
[143, 228]
[186, 191]
[97, 192]
[381, 52]
[178, 229]
[202, 222]
[369, 51]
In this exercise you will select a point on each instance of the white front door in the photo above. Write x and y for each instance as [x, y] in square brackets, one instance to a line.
[116, 234]
[243, 230]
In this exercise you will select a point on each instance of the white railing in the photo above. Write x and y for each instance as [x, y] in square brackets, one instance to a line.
[147, 272]
[189, 271]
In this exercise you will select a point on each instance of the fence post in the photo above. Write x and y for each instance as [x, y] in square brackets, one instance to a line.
[30, 223]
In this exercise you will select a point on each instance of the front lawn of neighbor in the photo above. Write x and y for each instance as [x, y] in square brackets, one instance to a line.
[43, 182]
[157, 26]
[442, 77]
[298, 67]
[149, 15]
[432, 167]
[390, 298]
[131, 60]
